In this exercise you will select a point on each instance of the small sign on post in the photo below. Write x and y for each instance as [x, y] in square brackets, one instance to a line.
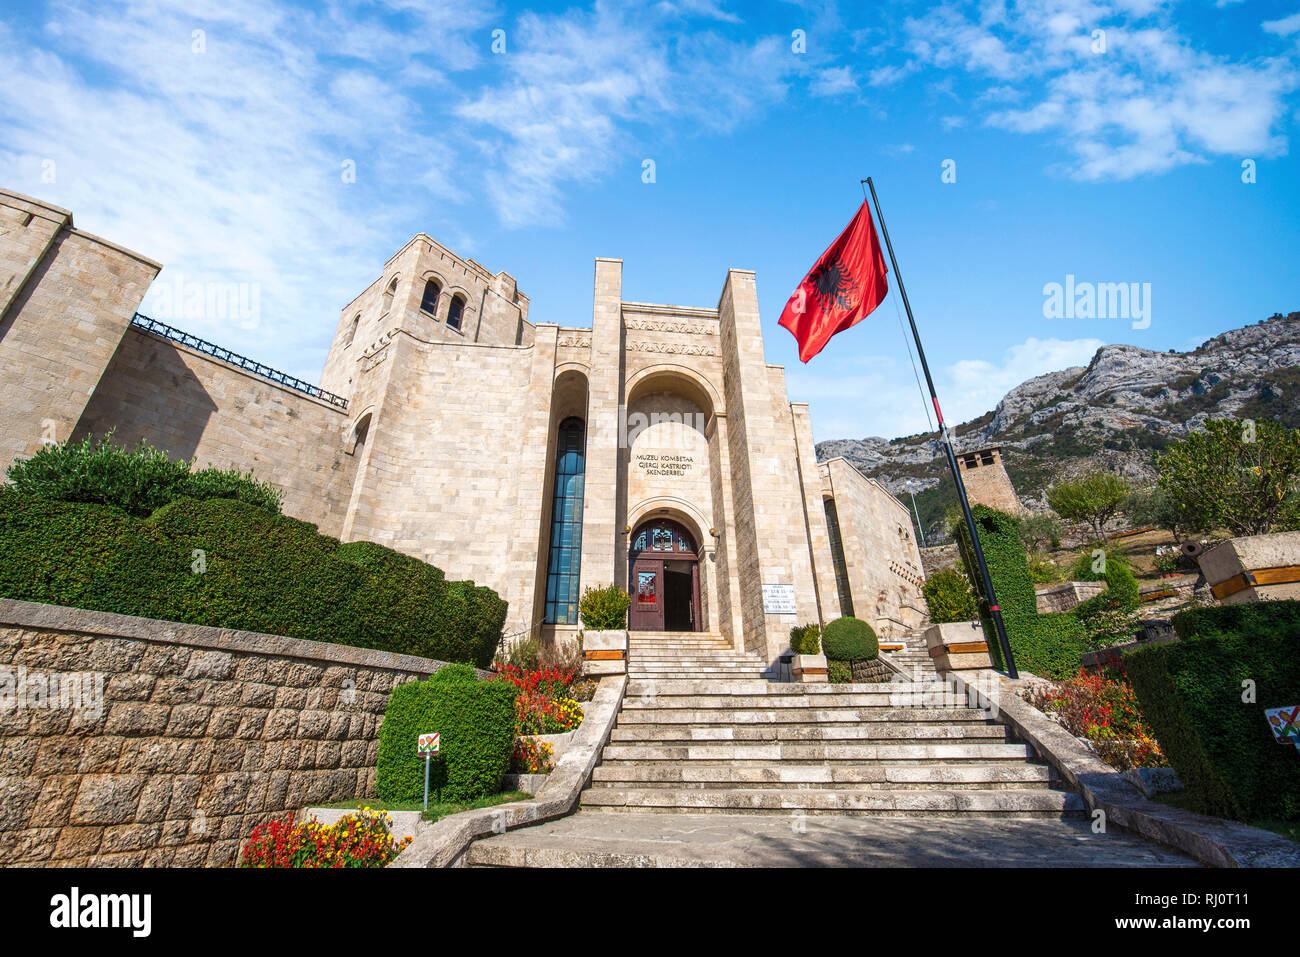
[429, 745]
[1285, 723]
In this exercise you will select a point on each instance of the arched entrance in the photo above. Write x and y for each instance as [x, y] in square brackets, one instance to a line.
[664, 578]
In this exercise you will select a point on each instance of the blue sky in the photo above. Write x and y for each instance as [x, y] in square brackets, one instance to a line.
[221, 153]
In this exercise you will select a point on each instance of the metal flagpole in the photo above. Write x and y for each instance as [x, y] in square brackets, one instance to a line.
[994, 610]
[917, 513]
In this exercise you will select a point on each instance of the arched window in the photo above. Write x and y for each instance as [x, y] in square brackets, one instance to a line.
[663, 536]
[455, 311]
[389, 293]
[352, 330]
[563, 565]
[429, 301]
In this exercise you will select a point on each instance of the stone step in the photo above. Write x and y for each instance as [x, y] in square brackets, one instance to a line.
[1029, 801]
[893, 733]
[788, 774]
[662, 687]
[893, 698]
[795, 715]
[832, 751]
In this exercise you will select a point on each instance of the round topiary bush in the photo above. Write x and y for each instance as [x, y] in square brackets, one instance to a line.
[850, 639]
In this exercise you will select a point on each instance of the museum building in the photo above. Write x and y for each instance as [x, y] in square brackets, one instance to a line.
[655, 448]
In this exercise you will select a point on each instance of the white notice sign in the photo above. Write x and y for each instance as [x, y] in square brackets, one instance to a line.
[778, 600]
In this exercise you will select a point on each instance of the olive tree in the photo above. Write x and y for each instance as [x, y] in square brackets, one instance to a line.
[1096, 499]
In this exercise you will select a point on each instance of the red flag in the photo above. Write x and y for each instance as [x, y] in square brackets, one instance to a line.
[847, 283]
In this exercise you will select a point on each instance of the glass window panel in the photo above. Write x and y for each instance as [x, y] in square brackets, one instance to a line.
[564, 561]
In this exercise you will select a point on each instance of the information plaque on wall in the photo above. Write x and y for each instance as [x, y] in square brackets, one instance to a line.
[778, 600]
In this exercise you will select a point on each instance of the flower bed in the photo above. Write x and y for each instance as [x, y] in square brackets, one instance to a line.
[1103, 712]
[363, 839]
[544, 707]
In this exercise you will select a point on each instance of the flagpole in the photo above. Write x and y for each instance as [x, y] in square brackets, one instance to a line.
[994, 610]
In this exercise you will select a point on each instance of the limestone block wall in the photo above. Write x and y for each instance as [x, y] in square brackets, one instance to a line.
[880, 551]
[444, 459]
[67, 300]
[185, 739]
[193, 406]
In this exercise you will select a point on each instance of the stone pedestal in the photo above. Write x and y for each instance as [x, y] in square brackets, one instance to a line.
[958, 646]
[808, 668]
[604, 653]
[1253, 568]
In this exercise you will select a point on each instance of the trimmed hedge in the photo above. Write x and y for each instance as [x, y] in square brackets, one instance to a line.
[476, 721]
[1191, 694]
[850, 639]
[1051, 645]
[261, 571]
[839, 672]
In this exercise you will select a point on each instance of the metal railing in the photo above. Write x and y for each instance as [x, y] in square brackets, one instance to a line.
[235, 359]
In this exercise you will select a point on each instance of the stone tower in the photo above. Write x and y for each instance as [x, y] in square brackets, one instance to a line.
[987, 482]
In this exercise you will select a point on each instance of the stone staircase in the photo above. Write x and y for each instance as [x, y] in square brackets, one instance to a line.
[689, 654]
[913, 659]
[701, 731]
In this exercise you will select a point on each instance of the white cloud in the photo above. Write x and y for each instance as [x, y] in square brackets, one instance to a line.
[974, 386]
[1283, 27]
[1147, 102]
[834, 81]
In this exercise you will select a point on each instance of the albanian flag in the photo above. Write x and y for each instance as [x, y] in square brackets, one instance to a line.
[847, 283]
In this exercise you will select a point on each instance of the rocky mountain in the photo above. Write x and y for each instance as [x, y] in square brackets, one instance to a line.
[1116, 413]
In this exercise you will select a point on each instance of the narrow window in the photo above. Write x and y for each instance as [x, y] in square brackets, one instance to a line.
[564, 562]
[388, 295]
[837, 559]
[455, 311]
[429, 301]
[352, 330]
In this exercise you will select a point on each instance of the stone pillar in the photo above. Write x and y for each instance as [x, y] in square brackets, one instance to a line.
[772, 539]
[819, 538]
[604, 557]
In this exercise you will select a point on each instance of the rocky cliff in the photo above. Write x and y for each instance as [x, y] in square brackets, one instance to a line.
[1116, 413]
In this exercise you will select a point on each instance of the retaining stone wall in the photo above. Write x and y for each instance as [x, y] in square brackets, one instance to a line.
[198, 735]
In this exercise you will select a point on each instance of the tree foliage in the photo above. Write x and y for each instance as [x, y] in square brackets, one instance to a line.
[1239, 475]
[1096, 499]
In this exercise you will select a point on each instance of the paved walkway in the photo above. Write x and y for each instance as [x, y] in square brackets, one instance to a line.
[634, 839]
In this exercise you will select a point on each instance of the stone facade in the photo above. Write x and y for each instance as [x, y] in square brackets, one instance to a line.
[447, 448]
[195, 736]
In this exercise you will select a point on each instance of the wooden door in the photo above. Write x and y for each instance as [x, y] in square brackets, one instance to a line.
[647, 580]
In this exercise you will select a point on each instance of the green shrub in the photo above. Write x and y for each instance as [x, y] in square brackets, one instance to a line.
[452, 673]
[1050, 646]
[1191, 694]
[604, 609]
[136, 481]
[806, 639]
[850, 639]
[525, 654]
[839, 672]
[476, 721]
[225, 563]
[948, 596]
